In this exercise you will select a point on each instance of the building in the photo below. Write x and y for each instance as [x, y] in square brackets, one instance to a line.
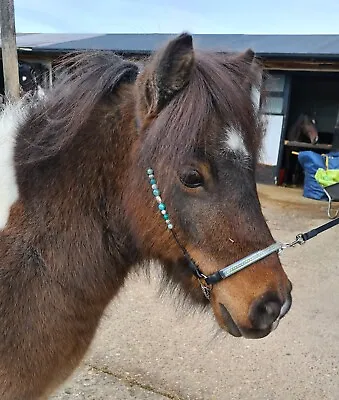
[302, 78]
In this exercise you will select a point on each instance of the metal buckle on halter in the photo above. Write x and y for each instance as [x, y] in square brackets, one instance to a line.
[205, 287]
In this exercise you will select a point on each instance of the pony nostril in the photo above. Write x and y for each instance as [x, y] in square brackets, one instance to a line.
[264, 312]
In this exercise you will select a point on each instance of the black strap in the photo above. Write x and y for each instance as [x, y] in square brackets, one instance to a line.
[191, 264]
[314, 232]
[214, 278]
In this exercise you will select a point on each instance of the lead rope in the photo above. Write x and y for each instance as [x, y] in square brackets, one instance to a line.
[303, 237]
[207, 282]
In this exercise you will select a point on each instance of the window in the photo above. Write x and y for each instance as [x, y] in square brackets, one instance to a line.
[275, 83]
[273, 88]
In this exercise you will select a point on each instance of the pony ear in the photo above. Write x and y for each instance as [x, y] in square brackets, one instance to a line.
[247, 56]
[171, 71]
[248, 66]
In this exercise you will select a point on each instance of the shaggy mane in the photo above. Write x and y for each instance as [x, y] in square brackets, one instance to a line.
[84, 78]
[218, 84]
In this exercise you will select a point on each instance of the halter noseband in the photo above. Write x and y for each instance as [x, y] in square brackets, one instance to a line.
[207, 281]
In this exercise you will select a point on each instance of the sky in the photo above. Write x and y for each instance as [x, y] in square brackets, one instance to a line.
[175, 16]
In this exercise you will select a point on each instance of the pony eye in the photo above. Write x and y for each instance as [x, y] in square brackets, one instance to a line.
[192, 179]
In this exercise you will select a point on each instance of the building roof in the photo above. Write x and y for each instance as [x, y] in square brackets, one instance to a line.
[292, 46]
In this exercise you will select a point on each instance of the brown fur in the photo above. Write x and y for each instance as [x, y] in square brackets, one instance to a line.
[86, 215]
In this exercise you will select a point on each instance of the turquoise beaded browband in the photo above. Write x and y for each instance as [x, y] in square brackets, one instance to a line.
[206, 282]
[156, 194]
[206, 287]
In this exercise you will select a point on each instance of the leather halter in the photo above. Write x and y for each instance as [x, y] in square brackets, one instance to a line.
[207, 281]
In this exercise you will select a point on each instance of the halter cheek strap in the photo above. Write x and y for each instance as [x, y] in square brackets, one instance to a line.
[206, 288]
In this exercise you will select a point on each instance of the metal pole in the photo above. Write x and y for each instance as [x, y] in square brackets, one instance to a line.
[9, 50]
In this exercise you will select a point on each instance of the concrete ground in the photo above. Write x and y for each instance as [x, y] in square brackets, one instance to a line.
[148, 348]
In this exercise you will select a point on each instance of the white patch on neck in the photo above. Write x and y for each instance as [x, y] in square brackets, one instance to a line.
[235, 143]
[12, 116]
[255, 96]
[40, 93]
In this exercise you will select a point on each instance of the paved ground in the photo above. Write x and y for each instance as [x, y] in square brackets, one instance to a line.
[146, 348]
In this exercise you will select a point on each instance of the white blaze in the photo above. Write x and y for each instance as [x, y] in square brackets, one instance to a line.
[235, 143]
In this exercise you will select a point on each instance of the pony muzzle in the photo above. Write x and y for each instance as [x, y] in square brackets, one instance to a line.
[264, 316]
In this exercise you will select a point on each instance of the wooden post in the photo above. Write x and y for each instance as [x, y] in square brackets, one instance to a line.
[9, 50]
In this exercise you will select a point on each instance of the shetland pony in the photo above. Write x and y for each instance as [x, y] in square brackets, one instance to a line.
[304, 129]
[77, 212]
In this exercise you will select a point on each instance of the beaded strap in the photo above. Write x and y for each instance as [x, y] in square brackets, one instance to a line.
[156, 194]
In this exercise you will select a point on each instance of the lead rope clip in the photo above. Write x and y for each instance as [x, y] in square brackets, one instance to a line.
[299, 239]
